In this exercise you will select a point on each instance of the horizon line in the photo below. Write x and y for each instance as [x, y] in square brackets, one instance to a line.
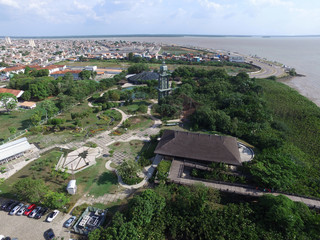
[161, 35]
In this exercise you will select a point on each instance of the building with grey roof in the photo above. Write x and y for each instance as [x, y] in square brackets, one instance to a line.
[12, 150]
[204, 148]
[143, 77]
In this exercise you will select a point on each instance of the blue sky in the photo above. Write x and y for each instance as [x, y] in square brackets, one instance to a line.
[106, 17]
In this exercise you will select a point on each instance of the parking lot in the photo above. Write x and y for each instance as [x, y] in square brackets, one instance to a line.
[25, 228]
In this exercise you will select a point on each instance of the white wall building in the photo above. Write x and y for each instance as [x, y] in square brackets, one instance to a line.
[72, 187]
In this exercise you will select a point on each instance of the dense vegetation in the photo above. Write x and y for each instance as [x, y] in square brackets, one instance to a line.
[39, 88]
[282, 125]
[178, 212]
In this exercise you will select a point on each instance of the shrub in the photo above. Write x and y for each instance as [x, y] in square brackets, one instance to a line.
[143, 161]
[163, 170]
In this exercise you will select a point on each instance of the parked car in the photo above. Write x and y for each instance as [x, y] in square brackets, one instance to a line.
[6, 204]
[16, 209]
[52, 215]
[11, 206]
[49, 234]
[69, 222]
[21, 210]
[34, 212]
[29, 209]
[42, 212]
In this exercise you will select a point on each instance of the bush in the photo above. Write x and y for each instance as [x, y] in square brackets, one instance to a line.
[56, 121]
[77, 211]
[163, 170]
[143, 161]
[143, 108]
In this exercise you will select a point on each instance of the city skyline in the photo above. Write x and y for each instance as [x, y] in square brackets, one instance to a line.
[120, 17]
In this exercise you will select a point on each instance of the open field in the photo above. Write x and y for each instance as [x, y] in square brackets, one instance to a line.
[133, 108]
[98, 63]
[18, 119]
[130, 149]
[90, 126]
[140, 122]
[96, 180]
[176, 50]
[124, 65]
[38, 169]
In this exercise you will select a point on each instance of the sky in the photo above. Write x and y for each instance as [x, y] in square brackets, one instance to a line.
[120, 17]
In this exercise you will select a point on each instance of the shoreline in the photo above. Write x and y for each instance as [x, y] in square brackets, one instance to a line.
[287, 80]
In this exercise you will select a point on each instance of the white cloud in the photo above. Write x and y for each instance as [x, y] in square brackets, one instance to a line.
[9, 3]
[210, 4]
[271, 2]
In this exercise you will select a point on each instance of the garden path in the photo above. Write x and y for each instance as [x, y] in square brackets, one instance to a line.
[175, 175]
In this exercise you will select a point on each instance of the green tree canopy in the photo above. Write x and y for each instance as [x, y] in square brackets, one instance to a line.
[8, 101]
[30, 190]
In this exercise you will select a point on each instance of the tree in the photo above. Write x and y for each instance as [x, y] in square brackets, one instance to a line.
[143, 108]
[26, 95]
[30, 190]
[49, 107]
[114, 95]
[130, 56]
[138, 68]
[8, 101]
[27, 70]
[85, 74]
[128, 169]
[36, 117]
[55, 200]
[68, 76]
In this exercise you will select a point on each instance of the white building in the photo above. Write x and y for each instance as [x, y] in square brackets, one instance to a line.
[72, 187]
[91, 68]
[12, 150]
[239, 59]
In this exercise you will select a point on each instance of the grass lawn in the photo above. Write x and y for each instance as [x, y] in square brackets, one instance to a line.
[140, 122]
[17, 118]
[131, 149]
[171, 67]
[176, 50]
[39, 169]
[96, 180]
[98, 63]
[133, 108]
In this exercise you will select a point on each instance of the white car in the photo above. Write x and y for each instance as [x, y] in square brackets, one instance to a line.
[21, 210]
[16, 209]
[34, 212]
[52, 215]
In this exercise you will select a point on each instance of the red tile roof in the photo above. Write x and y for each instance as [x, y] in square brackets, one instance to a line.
[12, 91]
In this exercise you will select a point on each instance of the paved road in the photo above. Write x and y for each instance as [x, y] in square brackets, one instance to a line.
[267, 70]
[177, 169]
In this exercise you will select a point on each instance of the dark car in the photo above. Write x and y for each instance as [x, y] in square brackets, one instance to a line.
[49, 234]
[29, 209]
[42, 212]
[11, 206]
[6, 204]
